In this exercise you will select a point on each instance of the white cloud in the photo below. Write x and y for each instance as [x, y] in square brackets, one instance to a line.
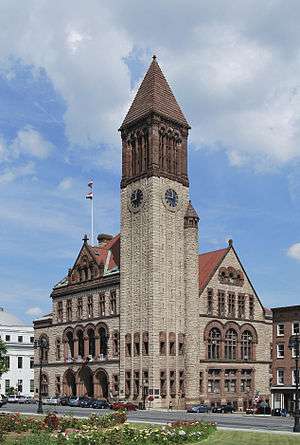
[34, 311]
[30, 142]
[294, 251]
[10, 174]
[66, 184]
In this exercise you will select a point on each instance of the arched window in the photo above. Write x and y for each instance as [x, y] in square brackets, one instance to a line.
[103, 342]
[172, 343]
[247, 346]
[44, 351]
[214, 342]
[136, 343]
[128, 346]
[230, 344]
[70, 344]
[44, 385]
[145, 343]
[162, 343]
[115, 343]
[91, 339]
[80, 340]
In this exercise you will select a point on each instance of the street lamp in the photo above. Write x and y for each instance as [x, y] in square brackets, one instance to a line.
[294, 343]
[42, 345]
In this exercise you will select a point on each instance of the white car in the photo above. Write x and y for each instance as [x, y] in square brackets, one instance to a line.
[12, 399]
[52, 401]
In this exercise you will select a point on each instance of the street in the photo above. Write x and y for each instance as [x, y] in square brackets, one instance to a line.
[238, 421]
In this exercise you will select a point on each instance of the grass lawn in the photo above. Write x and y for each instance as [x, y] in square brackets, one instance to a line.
[247, 438]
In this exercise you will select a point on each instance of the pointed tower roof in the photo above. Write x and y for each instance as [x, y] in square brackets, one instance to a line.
[154, 95]
[191, 212]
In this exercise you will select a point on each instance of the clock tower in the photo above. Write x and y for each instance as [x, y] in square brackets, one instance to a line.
[159, 287]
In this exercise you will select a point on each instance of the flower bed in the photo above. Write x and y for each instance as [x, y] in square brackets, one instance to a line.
[99, 430]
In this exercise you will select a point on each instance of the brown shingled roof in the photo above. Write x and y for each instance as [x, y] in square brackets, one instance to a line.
[154, 95]
[208, 263]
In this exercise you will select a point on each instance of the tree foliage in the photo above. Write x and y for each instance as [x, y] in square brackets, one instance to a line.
[3, 362]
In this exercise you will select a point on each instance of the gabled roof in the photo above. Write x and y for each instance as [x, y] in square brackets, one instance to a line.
[154, 95]
[208, 263]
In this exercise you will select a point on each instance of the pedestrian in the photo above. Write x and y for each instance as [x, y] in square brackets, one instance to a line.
[171, 405]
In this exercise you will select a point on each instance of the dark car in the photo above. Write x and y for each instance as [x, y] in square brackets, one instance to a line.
[223, 409]
[75, 401]
[279, 412]
[87, 402]
[64, 400]
[100, 404]
[128, 406]
[263, 409]
[198, 409]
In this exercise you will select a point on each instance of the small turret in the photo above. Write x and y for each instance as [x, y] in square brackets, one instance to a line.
[191, 217]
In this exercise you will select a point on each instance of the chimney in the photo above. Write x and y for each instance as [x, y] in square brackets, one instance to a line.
[103, 239]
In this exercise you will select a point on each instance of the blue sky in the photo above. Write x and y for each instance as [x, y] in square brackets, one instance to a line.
[67, 76]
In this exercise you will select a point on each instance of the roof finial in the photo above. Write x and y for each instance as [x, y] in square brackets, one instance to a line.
[154, 57]
[85, 239]
[230, 242]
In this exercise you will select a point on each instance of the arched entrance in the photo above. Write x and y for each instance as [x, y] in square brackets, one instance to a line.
[69, 383]
[85, 386]
[101, 384]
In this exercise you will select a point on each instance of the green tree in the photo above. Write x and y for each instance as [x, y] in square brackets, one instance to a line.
[3, 361]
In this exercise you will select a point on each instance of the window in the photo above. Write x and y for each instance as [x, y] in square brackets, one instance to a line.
[69, 310]
[280, 351]
[44, 385]
[251, 306]
[7, 361]
[201, 382]
[172, 382]
[44, 352]
[241, 306]
[246, 346]
[145, 343]
[136, 343]
[20, 385]
[294, 377]
[213, 382]
[172, 343]
[31, 362]
[31, 339]
[113, 302]
[296, 328]
[115, 384]
[180, 344]
[163, 384]
[115, 344]
[231, 304]
[214, 342]
[58, 349]
[162, 343]
[102, 305]
[246, 380]
[280, 376]
[57, 385]
[221, 303]
[210, 296]
[230, 344]
[7, 338]
[60, 314]
[181, 384]
[127, 383]
[90, 306]
[128, 350]
[31, 385]
[79, 307]
[136, 384]
[20, 338]
[20, 362]
[280, 329]
[7, 386]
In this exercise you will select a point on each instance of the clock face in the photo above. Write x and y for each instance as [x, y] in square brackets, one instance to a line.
[171, 198]
[136, 198]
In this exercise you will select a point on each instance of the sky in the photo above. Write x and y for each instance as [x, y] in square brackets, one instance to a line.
[68, 73]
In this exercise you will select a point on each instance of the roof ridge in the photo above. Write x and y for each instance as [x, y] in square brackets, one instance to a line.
[214, 251]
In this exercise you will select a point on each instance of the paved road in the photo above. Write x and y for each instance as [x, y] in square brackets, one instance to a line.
[238, 421]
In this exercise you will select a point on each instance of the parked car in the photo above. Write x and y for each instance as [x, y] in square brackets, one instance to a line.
[263, 408]
[3, 399]
[128, 406]
[64, 400]
[100, 404]
[87, 402]
[223, 409]
[198, 409]
[12, 399]
[75, 401]
[279, 412]
[21, 399]
[52, 401]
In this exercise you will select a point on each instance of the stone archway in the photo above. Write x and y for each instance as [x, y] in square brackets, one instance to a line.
[85, 386]
[69, 383]
[101, 384]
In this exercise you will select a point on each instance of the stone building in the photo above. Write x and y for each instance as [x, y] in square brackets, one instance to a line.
[131, 317]
[286, 322]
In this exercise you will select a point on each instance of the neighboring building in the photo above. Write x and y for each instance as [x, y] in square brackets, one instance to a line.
[20, 358]
[286, 322]
[236, 332]
[130, 318]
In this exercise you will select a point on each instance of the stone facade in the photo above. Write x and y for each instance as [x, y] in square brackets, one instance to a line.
[149, 338]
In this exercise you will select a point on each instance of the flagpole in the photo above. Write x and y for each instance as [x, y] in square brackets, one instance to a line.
[92, 219]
